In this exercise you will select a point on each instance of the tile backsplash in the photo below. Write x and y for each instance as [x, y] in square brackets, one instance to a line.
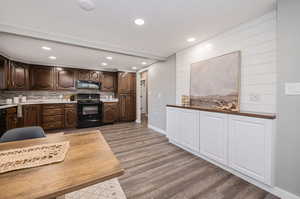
[38, 95]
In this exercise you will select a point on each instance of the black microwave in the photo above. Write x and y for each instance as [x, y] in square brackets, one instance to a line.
[82, 84]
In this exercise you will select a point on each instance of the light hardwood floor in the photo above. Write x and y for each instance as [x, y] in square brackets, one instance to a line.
[155, 169]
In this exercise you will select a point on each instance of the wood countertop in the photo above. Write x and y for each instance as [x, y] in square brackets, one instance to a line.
[248, 114]
[89, 161]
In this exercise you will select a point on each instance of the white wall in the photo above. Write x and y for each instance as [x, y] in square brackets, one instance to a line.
[257, 42]
[288, 106]
[161, 91]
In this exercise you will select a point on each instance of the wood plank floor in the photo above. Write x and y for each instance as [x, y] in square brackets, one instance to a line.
[155, 169]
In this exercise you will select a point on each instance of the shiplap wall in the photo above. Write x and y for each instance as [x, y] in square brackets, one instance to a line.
[257, 42]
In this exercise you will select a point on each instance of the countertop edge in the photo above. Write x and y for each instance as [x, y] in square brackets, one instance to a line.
[248, 114]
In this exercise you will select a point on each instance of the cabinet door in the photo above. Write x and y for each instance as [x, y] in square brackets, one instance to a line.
[132, 82]
[108, 82]
[32, 115]
[84, 75]
[172, 124]
[41, 78]
[3, 73]
[214, 136]
[250, 147]
[122, 107]
[11, 118]
[70, 117]
[19, 76]
[65, 79]
[95, 76]
[109, 112]
[123, 82]
[188, 124]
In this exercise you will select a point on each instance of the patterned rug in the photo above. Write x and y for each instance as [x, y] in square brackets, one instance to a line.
[110, 189]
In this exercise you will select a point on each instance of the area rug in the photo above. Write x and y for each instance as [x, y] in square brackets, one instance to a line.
[110, 189]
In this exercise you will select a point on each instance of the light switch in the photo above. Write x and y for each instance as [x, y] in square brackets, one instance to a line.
[292, 88]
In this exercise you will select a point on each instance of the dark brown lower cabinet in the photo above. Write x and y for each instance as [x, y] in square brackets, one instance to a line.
[32, 115]
[70, 116]
[127, 107]
[11, 118]
[110, 112]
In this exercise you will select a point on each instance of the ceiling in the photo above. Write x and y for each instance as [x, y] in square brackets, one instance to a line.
[29, 50]
[110, 26]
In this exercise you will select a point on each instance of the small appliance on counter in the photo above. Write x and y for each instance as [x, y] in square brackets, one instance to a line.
[89, 110]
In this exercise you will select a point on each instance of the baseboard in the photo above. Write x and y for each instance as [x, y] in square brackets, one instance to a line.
[283, 194]
[159, 130]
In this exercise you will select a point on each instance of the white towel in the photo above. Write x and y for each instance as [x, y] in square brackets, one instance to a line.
[19, 111]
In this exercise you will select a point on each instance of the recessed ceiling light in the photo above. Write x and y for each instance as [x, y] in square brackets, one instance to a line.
[87, 5]
[192, 39]
[52, 57]
[104, 64]
[144, 63]
[46, 48]
[134, 68]
[139, 22]
[109, 58]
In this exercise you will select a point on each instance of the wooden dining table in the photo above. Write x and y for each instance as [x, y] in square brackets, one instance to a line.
[88, 161]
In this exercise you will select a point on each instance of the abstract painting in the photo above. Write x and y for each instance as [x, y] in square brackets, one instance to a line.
[215, 83]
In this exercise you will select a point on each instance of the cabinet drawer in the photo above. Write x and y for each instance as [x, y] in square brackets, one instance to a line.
[53, 106]
[56, 118]
[70, 105]
[57, 111]
[53, 125]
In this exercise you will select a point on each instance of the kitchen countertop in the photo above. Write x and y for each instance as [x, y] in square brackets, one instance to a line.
[31, 102]
[109, 100]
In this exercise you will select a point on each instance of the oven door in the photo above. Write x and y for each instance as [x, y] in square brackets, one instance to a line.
[89, 114]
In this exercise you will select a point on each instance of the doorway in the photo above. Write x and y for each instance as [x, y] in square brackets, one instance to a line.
[144, 97]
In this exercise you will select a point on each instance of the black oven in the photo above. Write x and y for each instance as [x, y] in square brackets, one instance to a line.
[89, 108]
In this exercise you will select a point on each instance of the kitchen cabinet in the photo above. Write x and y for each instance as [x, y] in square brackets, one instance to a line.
[184, 128]
[3, 73]
[41, 78]
[65, 78]
[109, 82]
[70, 115]
[243, 145]
[214, 136]
[127, 107]
[126, 82]
[19, 76]
[53, 116]
[32, 115]
[11, 118]
[110, 112]
[95, 76]
[84, 75]
[250, 147]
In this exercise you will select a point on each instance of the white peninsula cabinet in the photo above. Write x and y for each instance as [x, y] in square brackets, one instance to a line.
[242, 143]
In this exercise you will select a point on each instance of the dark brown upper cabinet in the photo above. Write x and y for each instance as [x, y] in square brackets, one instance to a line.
[84, 75]
[126, 82]
[41, 78]
[65, 78]
[95, 76]
[109, 82]
[19, 76]
[4, 69]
